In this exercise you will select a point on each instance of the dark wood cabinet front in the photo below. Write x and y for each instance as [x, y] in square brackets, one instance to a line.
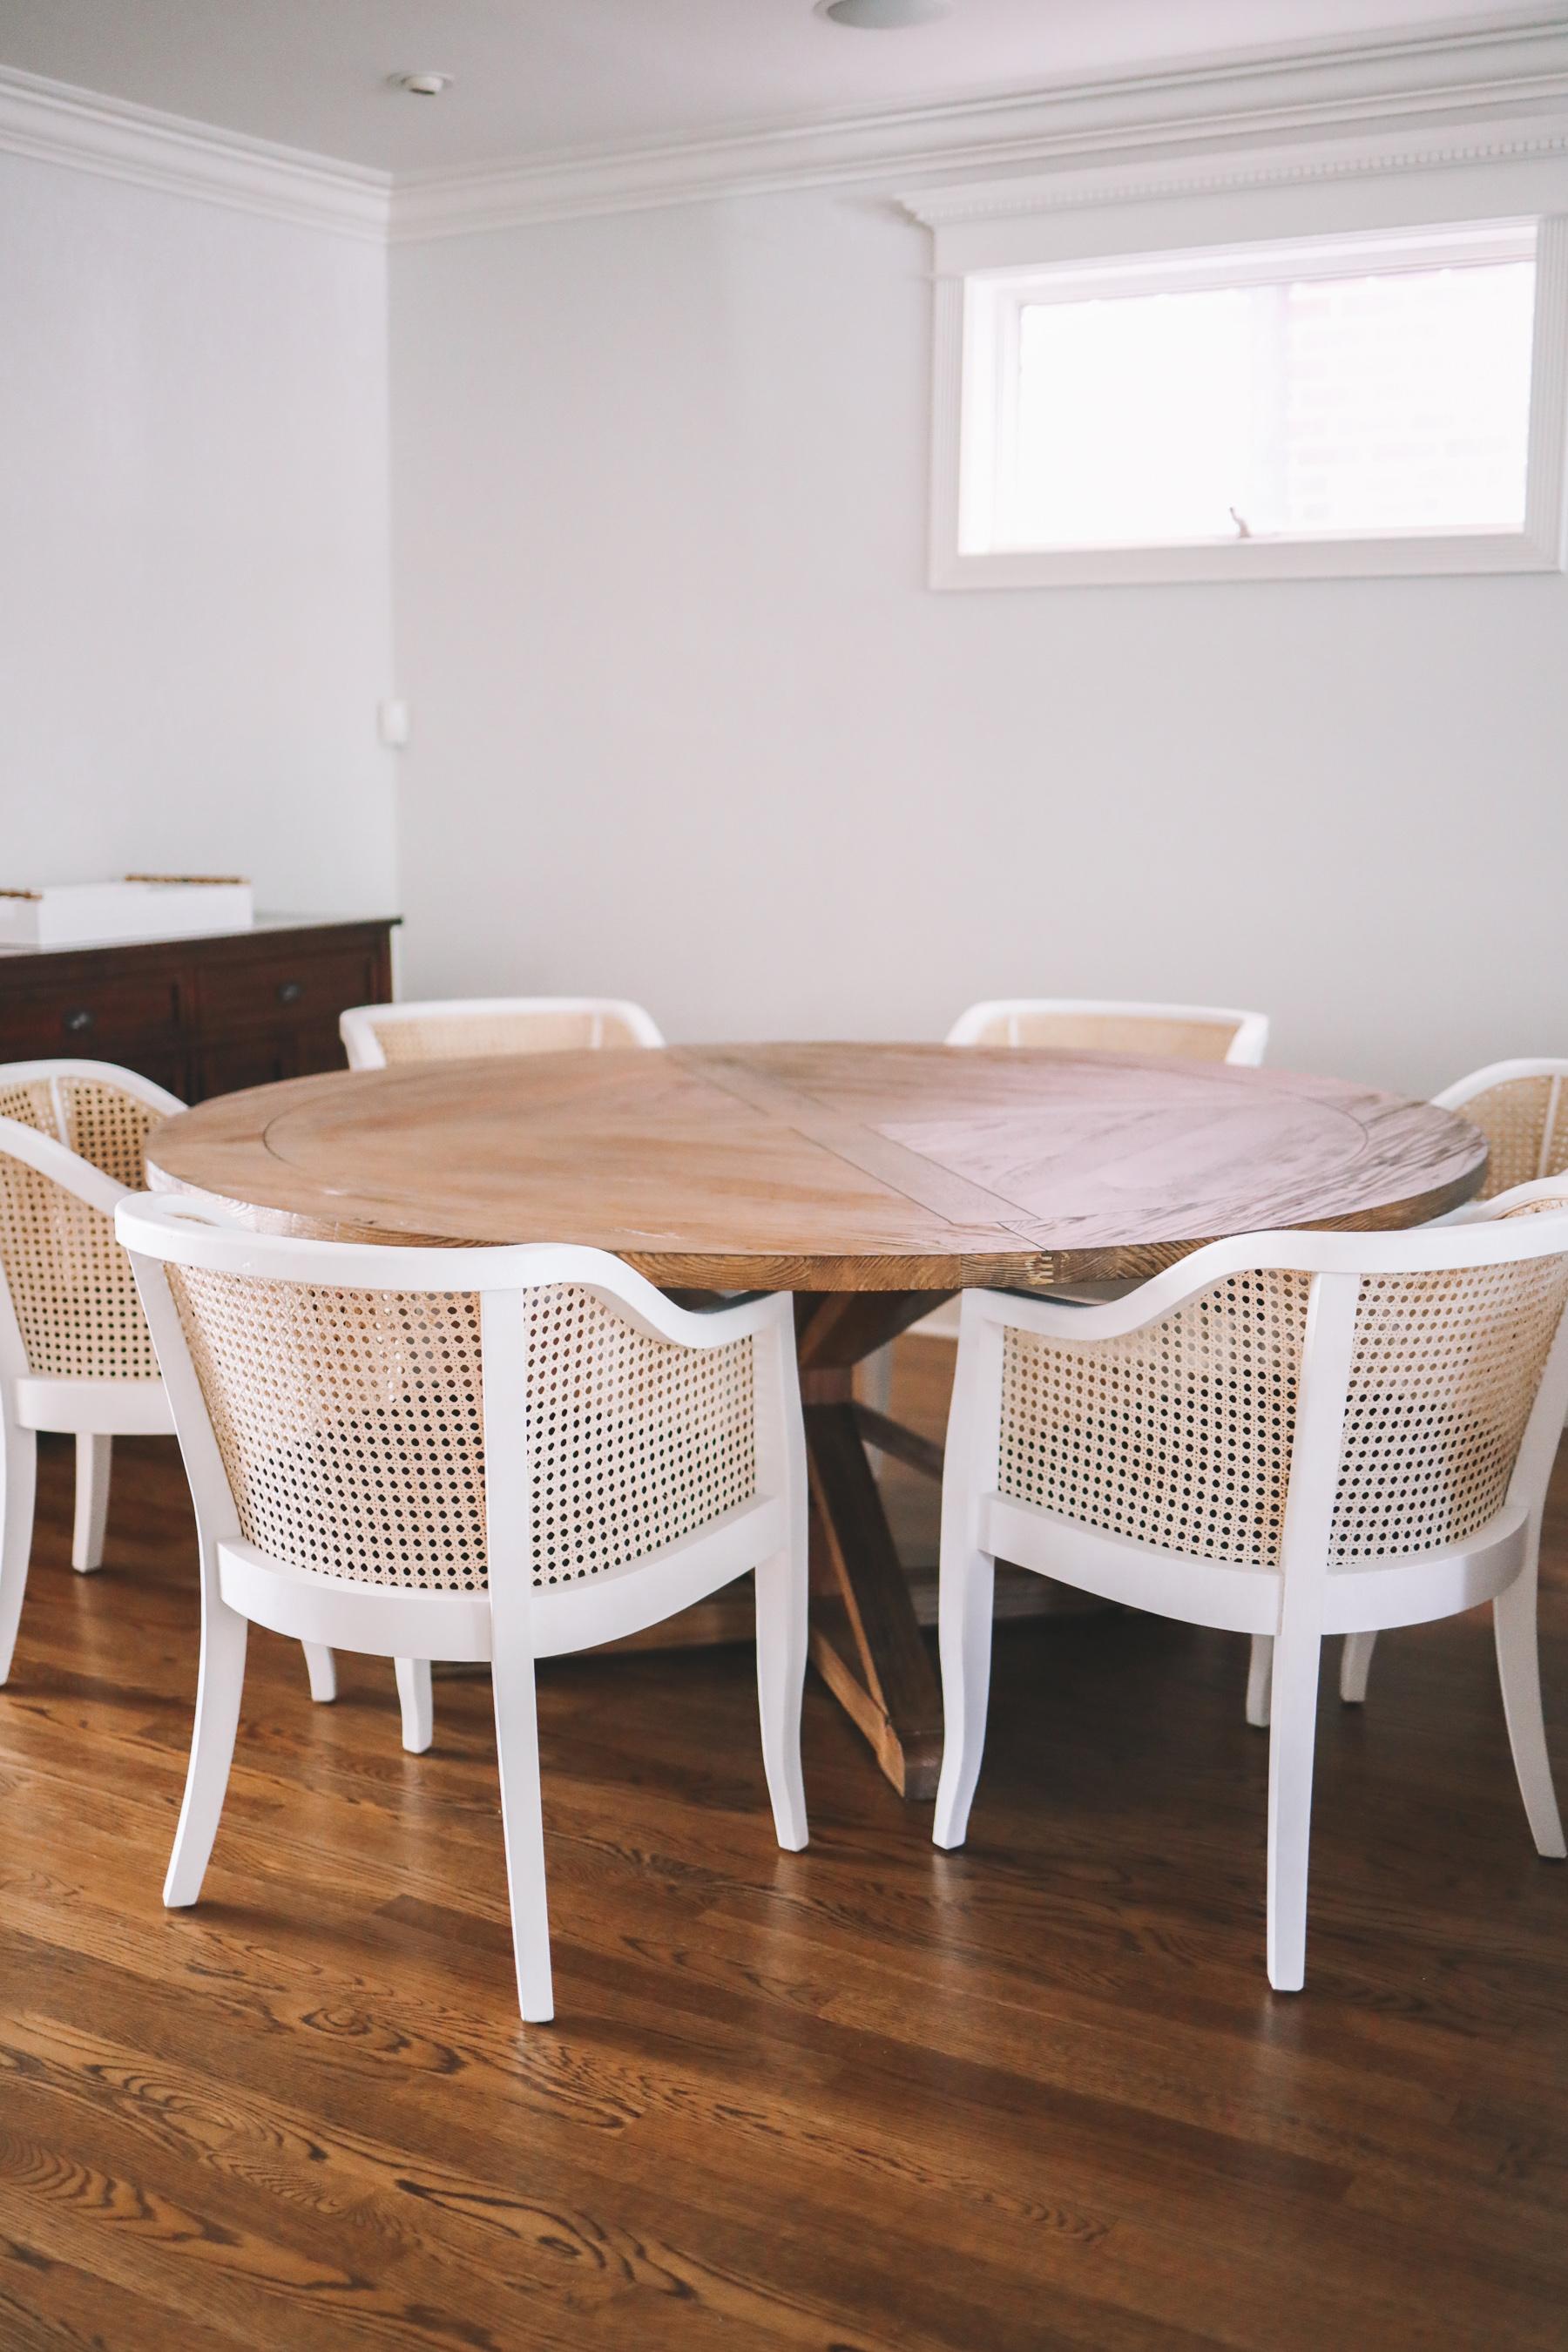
[199, 1016]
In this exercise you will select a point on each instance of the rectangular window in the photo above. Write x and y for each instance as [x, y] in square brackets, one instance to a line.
[1349, 404]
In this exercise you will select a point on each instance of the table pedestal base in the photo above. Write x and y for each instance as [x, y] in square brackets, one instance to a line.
[866, 1642]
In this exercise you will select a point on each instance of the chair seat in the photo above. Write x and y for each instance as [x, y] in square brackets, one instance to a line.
[413, 1622]
[1361, 1595]
[126, 1408]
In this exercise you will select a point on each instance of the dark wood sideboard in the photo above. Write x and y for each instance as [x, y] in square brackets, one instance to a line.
[199, 1016]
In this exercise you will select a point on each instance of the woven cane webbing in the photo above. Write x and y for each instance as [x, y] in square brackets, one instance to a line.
[350, 1423]
[350, 1426]
[1178, 1436]
[458, 1035]
[1181, 1436]
[28, 1101]
[1442, 1382]
[634, 1443]
[1526, 1138]
[109, 1127]
[1111, 1033]
[99, 1123]
[71, 1283]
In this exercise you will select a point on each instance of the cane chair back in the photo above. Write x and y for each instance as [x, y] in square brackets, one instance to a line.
[350, 1425]
[1291, 1434]
[372, 1432]
[1192, 1032]
[1444, 1376]
[377, 1035]
[1521, 1108]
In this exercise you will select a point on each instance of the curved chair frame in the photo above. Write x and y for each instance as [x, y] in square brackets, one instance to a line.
[511, 1621]
[1248, 1042]
[358, 1027]
[1304, 1598]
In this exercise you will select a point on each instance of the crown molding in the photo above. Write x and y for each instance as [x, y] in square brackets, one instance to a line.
[1140, 132]
[1452, 74]
[50, 122]
[1518, 140]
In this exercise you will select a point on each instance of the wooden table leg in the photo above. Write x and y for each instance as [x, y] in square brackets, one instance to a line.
[865, 1640]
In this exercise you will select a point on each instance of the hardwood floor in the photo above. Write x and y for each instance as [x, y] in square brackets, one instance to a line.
[869, 2097]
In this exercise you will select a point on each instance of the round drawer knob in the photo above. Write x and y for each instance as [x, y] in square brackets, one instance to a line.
[77, 1020]
[290, 991]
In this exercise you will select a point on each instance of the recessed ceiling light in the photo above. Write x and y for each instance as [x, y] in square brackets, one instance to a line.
[884, 15]
[422, 85]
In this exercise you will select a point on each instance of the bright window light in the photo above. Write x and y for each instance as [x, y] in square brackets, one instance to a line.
[1373, 388]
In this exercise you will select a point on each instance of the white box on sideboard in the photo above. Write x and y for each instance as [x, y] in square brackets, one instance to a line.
[142, 907]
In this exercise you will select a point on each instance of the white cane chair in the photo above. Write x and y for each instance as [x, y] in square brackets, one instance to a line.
[1195, 1032]
[75, 1353]
[471, 1453]
[1521, 1108]
[1293, 1434]
[451, 1029]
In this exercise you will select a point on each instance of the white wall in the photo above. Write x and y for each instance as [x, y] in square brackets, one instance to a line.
[195, 590]
[688, 727]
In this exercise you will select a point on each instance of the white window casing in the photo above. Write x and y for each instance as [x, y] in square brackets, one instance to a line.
[1034, 276]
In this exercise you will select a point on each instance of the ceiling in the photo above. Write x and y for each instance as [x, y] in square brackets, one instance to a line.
[538, 76]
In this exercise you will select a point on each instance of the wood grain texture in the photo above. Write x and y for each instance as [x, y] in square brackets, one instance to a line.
[828, 1168]
[1035, 2094]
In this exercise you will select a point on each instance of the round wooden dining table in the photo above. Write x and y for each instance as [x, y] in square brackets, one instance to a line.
[871, 1180]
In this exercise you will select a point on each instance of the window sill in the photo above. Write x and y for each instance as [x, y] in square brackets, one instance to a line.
[1405, 557]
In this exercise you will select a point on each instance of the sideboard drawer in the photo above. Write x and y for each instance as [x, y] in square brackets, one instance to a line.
[286, 991]
[77, 1016]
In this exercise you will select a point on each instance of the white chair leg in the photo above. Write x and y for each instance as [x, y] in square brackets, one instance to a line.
[1259, 1680]
[418, 1706]
[522, 1824]
[781, 1677]
[322, 1669]
[964, 1606]
[94, 1461]
[1292, 1738]
[1355, 1664]
[1519, 1671]
[18, 1485]
[218, 1688]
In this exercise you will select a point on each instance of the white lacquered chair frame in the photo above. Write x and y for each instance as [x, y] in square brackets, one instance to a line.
[511, 1623]
[1247, 1045]
[358, 1027]
[1304, 1599]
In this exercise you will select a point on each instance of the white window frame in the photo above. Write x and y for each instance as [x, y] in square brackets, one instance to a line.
[984, 267]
